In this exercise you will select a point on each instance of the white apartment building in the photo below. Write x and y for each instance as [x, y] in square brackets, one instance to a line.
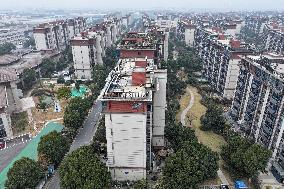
[56, 35]
[9, 101]
[220, 55]
[258, 105]
[189, 35]
[15, 36]
[134, 103]
[88, 48]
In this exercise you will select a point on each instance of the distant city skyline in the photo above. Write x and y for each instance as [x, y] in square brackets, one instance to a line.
[146, 4]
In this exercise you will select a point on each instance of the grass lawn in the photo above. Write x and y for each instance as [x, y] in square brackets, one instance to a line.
[20, 122]
[210, 139]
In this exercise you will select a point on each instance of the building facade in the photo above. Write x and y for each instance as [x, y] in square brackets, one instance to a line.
[56, 35]
[220, 54]
[9, 101]
[88, 47]
[274, 35]
[134, 104]
[258, 104]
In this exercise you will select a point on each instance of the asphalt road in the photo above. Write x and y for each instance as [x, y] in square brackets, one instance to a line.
[83, 138]
[13, 148]
[7, 155]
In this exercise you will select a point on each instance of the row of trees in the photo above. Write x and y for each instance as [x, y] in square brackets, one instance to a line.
[27, 173]
[6, 48]
[192, 163]
[184, 168]
[241, 155]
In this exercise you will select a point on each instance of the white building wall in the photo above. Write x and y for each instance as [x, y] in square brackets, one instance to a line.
[166, 46]
[40, 41]
[189, 37]
[239, 28]
[82, 62]
[71, 31]
[232, 78]
[159, 107]
[126, 145]
[232, 32]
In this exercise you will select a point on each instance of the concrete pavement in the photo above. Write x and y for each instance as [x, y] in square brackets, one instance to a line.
[190, 104]
[84, 137]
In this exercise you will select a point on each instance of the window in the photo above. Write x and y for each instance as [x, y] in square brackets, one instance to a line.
[112, 146]
[1, 121]
[139, 53]
[111, 132]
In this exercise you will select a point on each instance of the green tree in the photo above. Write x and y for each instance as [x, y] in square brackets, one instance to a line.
[213, 120]
[25, 173]
[53, 146]
[83, 169]
[6, 48]
[47, 67]
[141, 184]
[244, 157]
[76, 112]
[77, 86]
[64, 92]
[99, 75]
[29, 43]
[190, 166]
[178, 134]
[61, 80]
[29, 78]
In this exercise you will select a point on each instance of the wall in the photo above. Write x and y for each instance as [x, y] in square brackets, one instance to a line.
[82, 62]
[189, 37]
[126, 145]
[232, 78]
[159, 107]
[40, 41]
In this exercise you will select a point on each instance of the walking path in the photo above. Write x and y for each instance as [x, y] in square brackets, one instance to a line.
[190, 104]
[222, 177]
[183, 121]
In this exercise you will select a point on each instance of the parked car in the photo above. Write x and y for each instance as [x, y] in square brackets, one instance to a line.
[2, 143]
[224, 186]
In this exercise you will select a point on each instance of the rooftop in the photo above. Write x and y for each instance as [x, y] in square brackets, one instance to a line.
[269, 62]
[135, 40]
[130, 80]
[7, 75]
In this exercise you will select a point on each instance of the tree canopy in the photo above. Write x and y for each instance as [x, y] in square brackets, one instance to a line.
[64, 92]
[213, 119]
[244, 157]
[189, 166]
[25, 173]
[29, 78]
[83, 169]
[53, 146]
[75, 112]
[6, 48]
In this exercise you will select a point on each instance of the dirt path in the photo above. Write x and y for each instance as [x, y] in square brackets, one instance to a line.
[190, 104]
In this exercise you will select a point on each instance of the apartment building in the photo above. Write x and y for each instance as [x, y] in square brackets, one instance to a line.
[12, 35]
[220, 55]
[88, 47]
[56, 35]
[274, 37]
[134, 104]
[9, 101]
[258, 103]
[255, 24]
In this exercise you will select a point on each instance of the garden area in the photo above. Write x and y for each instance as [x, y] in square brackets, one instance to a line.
[20, 123]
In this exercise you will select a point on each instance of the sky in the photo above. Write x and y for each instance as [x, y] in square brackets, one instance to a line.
[146, 4]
